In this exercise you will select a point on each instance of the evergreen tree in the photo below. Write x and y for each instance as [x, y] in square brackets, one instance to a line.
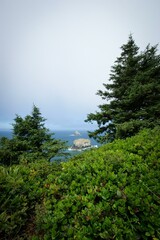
[31, 140]
[133, 96]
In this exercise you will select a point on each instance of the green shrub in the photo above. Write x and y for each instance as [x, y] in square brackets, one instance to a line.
[22, 188]
[109, 193]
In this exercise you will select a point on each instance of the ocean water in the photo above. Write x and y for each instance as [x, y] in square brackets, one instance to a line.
[70, 137]
[6, 133]
[65, 135]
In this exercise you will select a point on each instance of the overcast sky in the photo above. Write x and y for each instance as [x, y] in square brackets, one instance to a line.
[56, 54]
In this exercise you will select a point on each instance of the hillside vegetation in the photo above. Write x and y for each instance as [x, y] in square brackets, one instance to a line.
[108, 193]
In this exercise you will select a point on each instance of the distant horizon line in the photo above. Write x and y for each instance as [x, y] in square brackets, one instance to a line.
[55, 130]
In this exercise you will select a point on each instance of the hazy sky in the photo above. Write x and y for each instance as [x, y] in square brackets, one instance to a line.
[57, 53]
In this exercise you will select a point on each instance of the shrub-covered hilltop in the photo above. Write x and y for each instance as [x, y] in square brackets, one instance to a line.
[112, 192]
[108, 193]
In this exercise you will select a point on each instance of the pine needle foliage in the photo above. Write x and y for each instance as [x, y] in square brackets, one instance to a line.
[31, 141]
[132, 99]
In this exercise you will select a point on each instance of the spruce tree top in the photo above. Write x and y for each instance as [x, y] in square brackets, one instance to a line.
[132, 99]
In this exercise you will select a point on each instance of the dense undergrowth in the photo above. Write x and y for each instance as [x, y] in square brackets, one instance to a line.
[108, 193]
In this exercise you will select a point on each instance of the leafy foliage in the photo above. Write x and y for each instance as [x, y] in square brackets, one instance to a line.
[133, 95]
[108, 193]
[22, 187]
[31, 140]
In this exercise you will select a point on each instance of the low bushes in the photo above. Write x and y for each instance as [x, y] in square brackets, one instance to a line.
[21, 187]
[108, 193]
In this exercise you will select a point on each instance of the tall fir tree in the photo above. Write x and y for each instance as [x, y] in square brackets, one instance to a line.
[31, 141]
[133, 96]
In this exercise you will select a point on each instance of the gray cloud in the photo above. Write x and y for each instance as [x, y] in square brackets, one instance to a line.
[57, 54]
